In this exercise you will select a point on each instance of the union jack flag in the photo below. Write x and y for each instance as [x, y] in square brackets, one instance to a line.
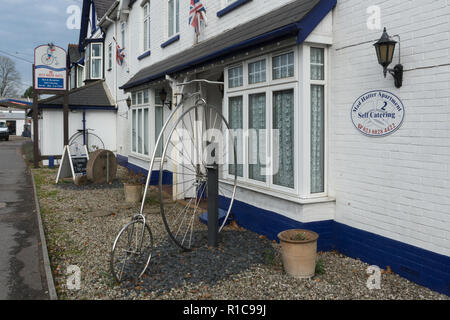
[197, 15]
[120, 55]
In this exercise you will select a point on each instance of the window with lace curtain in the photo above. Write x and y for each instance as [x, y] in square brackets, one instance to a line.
[265, 98]
[257, 106]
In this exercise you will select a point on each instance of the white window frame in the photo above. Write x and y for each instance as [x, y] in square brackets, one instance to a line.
[136, 107]
[176, 15]
[89, 60]
[80, 72]
[151, 106]
[268, 87]
[307, 103]
[301, 84]
[147, 18]
[110, 56]
[123, 34]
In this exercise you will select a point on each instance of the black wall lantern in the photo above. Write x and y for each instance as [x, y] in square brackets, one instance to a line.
[385, 48]
[128, 102]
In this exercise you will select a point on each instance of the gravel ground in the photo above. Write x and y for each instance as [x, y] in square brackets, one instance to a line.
[81, 224]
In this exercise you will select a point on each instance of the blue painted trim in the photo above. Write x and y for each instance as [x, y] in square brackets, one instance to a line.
[154, 178]
[421, 266]
[145, 54]
[73, 107]
[84, 24]
[231, 7]
[270, 223]
[49, 68]
[313, 18]
[170, 41]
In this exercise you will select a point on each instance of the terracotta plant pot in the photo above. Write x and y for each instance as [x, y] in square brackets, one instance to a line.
[298, 252]
[133, 192]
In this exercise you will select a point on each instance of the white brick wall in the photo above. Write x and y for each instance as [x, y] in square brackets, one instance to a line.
[134, 46]
[397, 186]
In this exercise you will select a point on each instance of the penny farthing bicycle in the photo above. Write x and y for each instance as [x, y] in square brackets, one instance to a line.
[198, 147]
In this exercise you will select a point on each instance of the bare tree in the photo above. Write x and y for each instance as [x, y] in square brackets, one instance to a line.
[9, 77]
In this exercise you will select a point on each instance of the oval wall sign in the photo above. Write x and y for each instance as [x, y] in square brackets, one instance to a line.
[377, 113]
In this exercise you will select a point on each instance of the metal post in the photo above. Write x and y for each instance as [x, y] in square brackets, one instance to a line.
[35, 126]
[213, 205]
[66, 118]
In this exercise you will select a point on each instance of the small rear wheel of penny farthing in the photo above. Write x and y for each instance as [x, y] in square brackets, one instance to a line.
[199, 140]
[132, 251]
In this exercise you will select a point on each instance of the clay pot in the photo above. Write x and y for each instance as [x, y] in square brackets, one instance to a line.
[298, 253]
[133, 192]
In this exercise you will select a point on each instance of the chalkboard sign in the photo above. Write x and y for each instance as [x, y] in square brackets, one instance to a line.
[72, 166]
[79, 165]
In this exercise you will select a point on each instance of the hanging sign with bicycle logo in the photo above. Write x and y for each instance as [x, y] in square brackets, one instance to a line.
[377, 113]
[50, 72]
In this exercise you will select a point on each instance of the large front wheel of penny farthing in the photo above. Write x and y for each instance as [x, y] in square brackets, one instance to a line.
[132, 251]
[199, 139]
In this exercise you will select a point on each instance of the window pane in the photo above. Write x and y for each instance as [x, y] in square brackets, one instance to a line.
[317, 64]
[80, 76]
[96, 50]
[157, 98]
[133, 130]
[257, 137]
[110, 56]
[146, 97]
[235, 77]
[159, 122]
[96, 68]
[171, 13]
[133, 98]
[139, 125]
[317, 139]
[283, 120]
[139, 97]
[146, 130]
[146, 34]
[177, 18]
[235, 118]
[257, 72]
[283, 66]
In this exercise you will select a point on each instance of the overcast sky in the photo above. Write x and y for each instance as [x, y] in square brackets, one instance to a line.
[26, 24]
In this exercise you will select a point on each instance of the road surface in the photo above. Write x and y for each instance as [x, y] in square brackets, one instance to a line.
[22, 274]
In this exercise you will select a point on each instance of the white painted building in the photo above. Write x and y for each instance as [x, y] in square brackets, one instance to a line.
[384, 199]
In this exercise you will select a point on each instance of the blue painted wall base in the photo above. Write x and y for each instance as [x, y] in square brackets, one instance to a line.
[421, 266]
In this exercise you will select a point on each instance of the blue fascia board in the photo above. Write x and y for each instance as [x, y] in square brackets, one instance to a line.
[84, 24]
[144, 55]
[313, 18]
[300, 29]
[231, 7]
[291, 29]
[170, 41]
[77, 107]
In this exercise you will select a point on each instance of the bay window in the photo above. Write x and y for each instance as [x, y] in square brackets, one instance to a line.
[283, 145]
[94, 61]
[147, 120]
